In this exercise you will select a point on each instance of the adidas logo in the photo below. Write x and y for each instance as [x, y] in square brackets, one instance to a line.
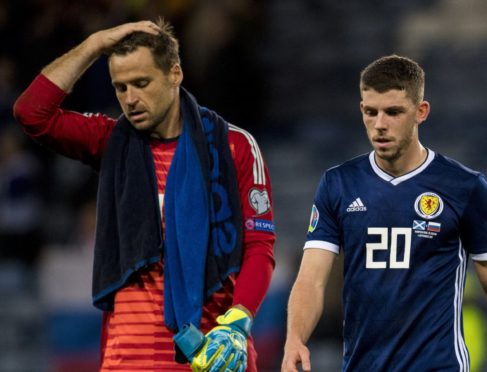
[357, 206]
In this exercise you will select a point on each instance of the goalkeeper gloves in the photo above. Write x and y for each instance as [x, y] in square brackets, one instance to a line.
[223, 349]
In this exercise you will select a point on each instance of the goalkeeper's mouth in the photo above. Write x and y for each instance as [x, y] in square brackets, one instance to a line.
[137, 116]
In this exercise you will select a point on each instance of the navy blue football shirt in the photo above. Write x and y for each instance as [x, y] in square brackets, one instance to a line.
[406, 242]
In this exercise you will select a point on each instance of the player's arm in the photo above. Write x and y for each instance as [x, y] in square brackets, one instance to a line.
[69, 133]
[67, 69]
[474, 228]
[78, 136]
[255, 274]
[481, 268]
[306, 306]
[258, 236]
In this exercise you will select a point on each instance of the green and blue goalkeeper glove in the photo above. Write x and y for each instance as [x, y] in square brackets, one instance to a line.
[223, 349]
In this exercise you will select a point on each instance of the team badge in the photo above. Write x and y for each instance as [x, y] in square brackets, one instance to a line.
[259, 200]
[313, 221]
[428, 205]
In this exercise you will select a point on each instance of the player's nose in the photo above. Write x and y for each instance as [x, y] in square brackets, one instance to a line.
[380, 121]
[130, 96]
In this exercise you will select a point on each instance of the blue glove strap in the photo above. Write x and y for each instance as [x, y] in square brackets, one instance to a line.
[190, 340]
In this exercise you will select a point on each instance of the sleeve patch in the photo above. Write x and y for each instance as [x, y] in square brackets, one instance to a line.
[259, 201]
[259, 225]
[313, 221]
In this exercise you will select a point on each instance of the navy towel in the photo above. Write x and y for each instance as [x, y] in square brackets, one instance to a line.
[203, 237]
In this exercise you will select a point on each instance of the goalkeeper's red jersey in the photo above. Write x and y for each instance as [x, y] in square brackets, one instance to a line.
[134, 337]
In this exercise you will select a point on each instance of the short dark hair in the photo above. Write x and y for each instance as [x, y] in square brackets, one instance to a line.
[394, 72]
[164, 46]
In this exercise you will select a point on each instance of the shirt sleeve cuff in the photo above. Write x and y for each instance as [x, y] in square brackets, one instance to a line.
[320, 244]
[479, 257]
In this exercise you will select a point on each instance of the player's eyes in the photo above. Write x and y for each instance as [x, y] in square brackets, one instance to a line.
[141, 83]
[120, 87]
[393, 112]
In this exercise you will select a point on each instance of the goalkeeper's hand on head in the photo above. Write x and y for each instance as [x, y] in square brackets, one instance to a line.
[225, 346]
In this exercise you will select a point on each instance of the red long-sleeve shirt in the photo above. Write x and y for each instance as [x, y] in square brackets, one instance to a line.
[84, 137]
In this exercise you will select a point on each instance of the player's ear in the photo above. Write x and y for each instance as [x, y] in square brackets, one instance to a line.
[422, 111]
[176, 74]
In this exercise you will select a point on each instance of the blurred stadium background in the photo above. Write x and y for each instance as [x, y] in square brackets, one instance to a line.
[287, 71]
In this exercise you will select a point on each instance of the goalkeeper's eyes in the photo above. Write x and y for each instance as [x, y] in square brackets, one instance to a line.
[120, 87]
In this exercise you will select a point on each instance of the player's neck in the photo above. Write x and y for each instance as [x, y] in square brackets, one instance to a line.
[407, 162]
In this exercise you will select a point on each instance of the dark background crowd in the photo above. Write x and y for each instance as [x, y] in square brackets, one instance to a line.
[285, 70]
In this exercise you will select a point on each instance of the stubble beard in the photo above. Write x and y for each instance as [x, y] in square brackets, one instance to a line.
[151, 123]
[394, 153]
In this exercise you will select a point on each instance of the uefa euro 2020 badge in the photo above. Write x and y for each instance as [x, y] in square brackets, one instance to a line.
[313, 221]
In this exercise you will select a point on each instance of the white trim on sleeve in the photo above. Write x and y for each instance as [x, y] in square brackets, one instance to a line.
[258, 166]
[479, 257]
[320, 244]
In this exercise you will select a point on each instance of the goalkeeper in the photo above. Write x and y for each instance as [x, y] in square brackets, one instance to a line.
[185, 228]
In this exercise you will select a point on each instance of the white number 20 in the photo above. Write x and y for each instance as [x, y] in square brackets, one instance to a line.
[384, 245]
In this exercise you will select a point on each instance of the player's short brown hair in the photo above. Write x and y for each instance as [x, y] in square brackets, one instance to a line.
[394, 72]
[164, 46]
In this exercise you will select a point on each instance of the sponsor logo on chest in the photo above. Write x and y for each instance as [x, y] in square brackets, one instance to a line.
[357, 206]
